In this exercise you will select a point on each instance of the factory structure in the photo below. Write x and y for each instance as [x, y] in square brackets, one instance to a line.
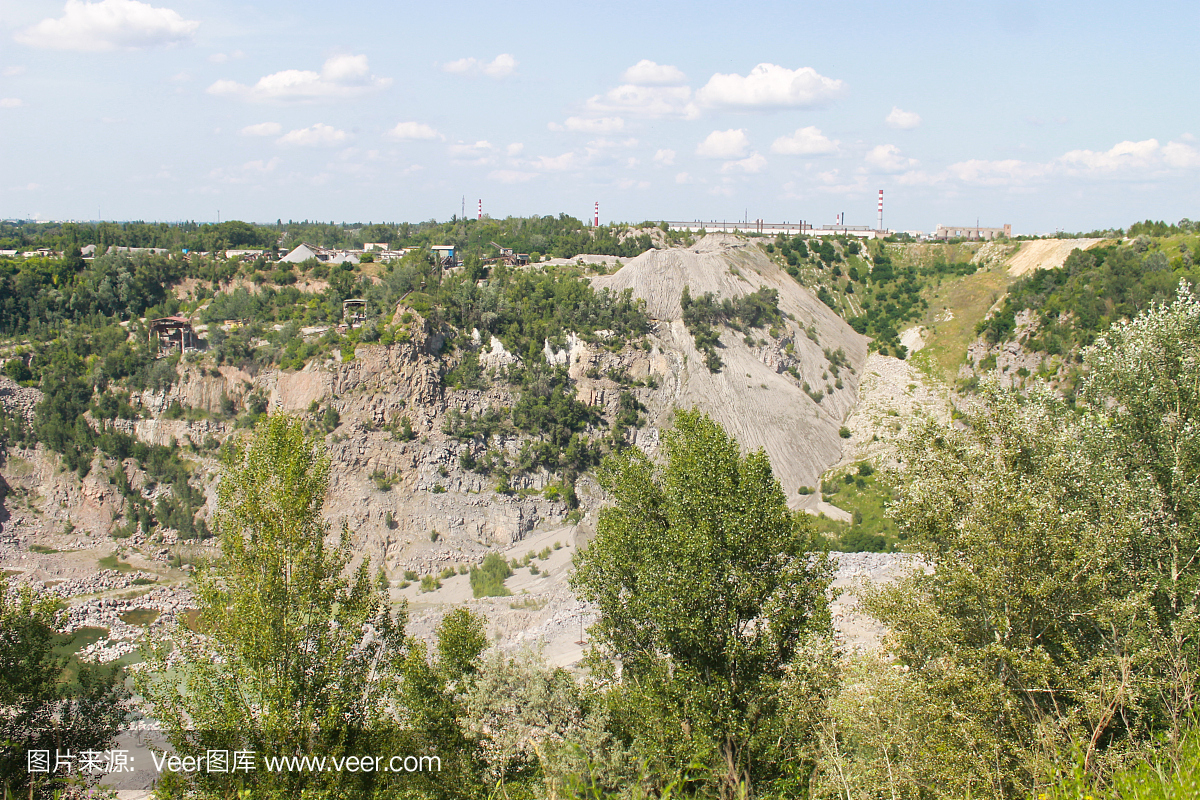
[838, 228]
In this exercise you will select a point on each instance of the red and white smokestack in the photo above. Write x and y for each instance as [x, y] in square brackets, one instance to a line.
[880, 210]
[596, 223]
[481, 209]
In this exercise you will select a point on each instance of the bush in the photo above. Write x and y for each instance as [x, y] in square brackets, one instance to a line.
[488, 579]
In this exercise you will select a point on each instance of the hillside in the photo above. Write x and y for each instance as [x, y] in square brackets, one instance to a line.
[447, 442]
[752, 396]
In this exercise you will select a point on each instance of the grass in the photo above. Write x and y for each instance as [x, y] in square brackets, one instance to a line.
[528, 604]
[967, 299]
[68, 646]
[1163, 778]
[191, 620]
[865, 494]
[112, 561]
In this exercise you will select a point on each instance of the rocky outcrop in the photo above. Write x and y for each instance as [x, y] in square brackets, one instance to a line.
[17, 399]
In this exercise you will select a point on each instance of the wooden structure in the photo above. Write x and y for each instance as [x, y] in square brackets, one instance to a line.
[173, 333]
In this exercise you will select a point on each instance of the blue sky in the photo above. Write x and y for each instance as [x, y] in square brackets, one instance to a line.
[1046, 116]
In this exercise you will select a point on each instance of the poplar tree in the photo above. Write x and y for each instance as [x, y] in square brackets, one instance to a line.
[296, 654]
[711, 594]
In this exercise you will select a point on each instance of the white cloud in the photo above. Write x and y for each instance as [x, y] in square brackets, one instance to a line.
[770, 86]
[260, 166]
[887, 158]
[988, 173]
[476, 154]
[318, 135]
[414, 130]
[1136, 160]
[683, 177]
[514, 149]
[109, 25]
[609, 144]
[246, 173]
[1123, 155]
[724, 144]
[647, 73]
[342, 76]
[13, 71]
[665, 157]
[566, 161]
[511, 176]
[903, 120]
[262, 129]
[1178, 154]
[804, 142]
[221, 58]
[593, 125]
[11, 102]
[646, 101]
[630, 183]
[501, 66]
[755, 163]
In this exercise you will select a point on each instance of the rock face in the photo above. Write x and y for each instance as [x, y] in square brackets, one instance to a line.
[753, 396]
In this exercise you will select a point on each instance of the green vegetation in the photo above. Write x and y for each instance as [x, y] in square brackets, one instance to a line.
[955, 307]
[755, 310]
[865, 494]
[112, 561]
[488, 580]
[81, 338]
[1051, 653]
[282, 668]
[865, 284]
[1075, 303]
[683, 563]
[48, 698]
[1065, 545]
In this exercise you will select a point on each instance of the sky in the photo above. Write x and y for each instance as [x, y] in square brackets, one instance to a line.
[1047, 116]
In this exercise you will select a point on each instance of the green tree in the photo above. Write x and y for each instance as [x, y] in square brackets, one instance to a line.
[294, 659]
[41, 708]
[432, 698]
[711, 595]
[1062, 614]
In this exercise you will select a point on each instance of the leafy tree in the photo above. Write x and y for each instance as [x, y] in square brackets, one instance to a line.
[40, 708]
[1062, 613]
[712, 595]
[294, 659]
[432, 698]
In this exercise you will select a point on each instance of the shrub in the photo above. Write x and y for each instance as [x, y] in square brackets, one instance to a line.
[488, 580]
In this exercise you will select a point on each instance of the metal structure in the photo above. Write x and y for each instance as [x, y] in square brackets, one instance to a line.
[354, 311]
[879, 227]
[444, 255]
[174, 332]
[507, 256]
